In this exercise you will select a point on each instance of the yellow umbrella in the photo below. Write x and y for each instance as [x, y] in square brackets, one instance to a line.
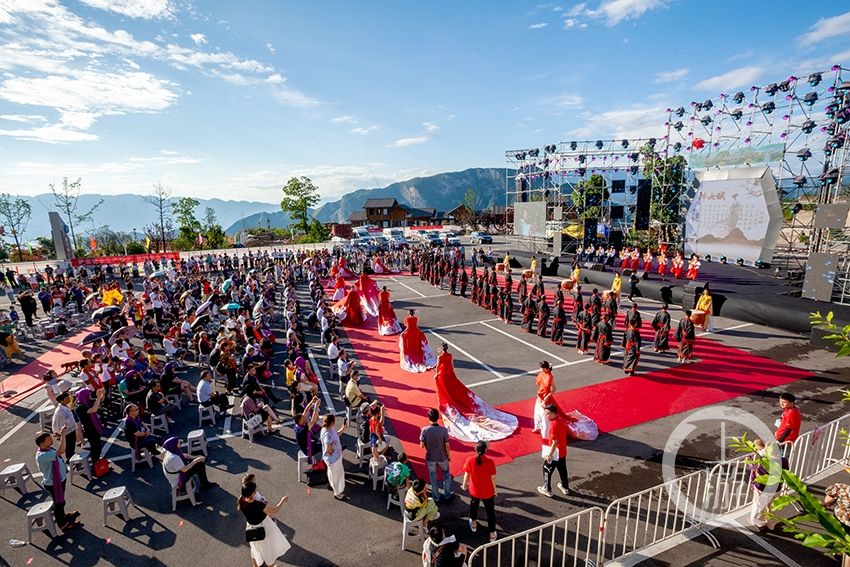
[112, 297]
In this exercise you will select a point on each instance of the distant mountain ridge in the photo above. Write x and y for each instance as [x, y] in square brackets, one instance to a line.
[128, 211]
[443, 191]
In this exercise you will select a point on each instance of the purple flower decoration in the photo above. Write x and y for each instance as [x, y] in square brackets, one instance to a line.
[747, 140]
[749, 123]
[783, 135]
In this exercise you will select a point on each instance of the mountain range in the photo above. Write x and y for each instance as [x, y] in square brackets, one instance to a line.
[443, 191]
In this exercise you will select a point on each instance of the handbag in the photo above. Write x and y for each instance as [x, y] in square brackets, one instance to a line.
[254, 421]
[100, 468]
[257, 533]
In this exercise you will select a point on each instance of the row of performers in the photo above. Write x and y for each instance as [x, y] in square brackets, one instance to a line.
[340, 267]
[677, 266]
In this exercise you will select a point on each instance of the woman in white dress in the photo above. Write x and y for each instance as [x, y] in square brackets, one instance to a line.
[268, 543]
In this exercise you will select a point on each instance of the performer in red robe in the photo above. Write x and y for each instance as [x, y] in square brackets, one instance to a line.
[415, 353]
[339, 289]
[350, 309]
[378, 266]
[343, 268]
[467, 417]
[387, 322]
[579, 425]
[368, 294]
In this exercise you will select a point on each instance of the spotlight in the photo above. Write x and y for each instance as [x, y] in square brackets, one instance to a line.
[632, 189]
[707, 105]
[831, 128]
[632, 209]
[697, 106]
[582, 171]
[804, 154]
[771, 89]
[815, 79]
[843, 116]
[831, 110]
[843, 88]
[599, 144]
[836, 142]
[769, 107]
[800, 180]
[707, 257]
[534, 153]
[678, 126]
[808, 126]
[761, 264]
[634, 156]
[785, 85]
[810, 98]
[723, 259]
[677, 147]
[573, 145]
[520, 155]
[582, 158]
[680, 111]
[633, 169]
[736, 114]
[738, 97]
[625, 144]
[652, 142]
[829, 177]
[796, 208]
[739, 261]
[706, 120]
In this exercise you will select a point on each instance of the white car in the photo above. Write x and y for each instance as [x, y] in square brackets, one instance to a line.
[451, 237]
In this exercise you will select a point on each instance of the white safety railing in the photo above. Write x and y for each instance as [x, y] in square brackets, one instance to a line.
[574, 540]
[679, 507]
[654, 515]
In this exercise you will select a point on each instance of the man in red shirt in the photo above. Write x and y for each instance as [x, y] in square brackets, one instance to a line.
[555, 455]
[788, 427]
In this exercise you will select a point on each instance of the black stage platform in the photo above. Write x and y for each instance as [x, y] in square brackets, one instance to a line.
[742, 293]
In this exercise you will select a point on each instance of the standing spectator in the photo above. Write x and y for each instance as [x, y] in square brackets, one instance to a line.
[258, 514]
[765, 493]
[332, 455]
[556, 456]
[86, 411]
[54, 472]
[435, 439]
[63, 418]
[480, 474]
[28, 306]
[788, 426]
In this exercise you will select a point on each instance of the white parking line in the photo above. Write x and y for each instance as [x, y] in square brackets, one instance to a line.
[421, 295]
[469, 356]
[526, 343]
[460, 325]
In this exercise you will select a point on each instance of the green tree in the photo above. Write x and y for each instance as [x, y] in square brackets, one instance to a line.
[299, 194]
[15, 214]
[67, 199]
[46, 244]
[213, 232]
[188, 226]
[588, 196]
[159, 199]
[668, 177]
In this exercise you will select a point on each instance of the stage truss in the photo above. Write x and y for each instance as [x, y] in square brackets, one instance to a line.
[554, 172]
[793, 126]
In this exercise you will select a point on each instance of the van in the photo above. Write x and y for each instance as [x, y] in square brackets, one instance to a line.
[361, 232]
[390, 232]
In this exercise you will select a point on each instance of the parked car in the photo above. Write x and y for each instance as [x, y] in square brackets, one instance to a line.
[380, 242]
[449, 237]
[478, 237]
[399, 242]
[433, 239]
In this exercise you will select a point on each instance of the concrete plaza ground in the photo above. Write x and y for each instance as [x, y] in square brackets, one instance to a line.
[498, 362]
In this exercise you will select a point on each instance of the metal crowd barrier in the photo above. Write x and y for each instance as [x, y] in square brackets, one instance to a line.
[678, 507]
[574, 540]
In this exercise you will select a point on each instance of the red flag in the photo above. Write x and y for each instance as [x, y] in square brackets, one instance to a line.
[93, 243]
[698, 143]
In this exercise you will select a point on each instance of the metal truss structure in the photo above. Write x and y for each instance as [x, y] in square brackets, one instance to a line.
[798, 127]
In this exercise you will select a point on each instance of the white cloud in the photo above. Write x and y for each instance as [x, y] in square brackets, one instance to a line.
[364, 131]
[539, 26]
[145, 9]
[198, 38]
[570, 23]
[826, 28]
[24, 118]
[740, 77]
[634, 122]
[577, 10]
[346, 119]
[292, 97]
[670, 76]
[271, 48]
[563, 100]
[128, 165]
[431, 130]
[51, 134]
[616, 11]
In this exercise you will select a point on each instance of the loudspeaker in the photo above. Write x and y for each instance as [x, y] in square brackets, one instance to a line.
[514, 262]
[521, 189]
[617, 212]
[594, 266]
[626, 273]
[616, 239]
[691, 292]
[644, 196]
[642, 275]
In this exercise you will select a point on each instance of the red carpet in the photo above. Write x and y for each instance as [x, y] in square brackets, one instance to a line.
[25, 381]
[721, 373]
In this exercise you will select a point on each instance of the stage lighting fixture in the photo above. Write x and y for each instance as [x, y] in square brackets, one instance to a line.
[707, 257]
[573, 145]
[804, 154]
[651, 142]
[761, 264]
[830, 110]
[722, 259]
[830, 128]
[534, 153]
[520, 155]
[677, 147]
[815, 79]
[633, 169]
[706, 120]
[707, 105]
[796, 208]
[634, 156]
[582, 158]
[836, 142]
[632, 209]
[632, 189]
[800, 180]
[739, 261]
[808, 126]
[785, 85]
[827, 150]
[680, 111]
[738, 97]
[625, 144]
[843, 88]
[736, 114]
[599, 144]
[829, 177]
[582, 171]
[810, 98]
[697, 106]
[843, 116]
[771, 89]
[769, 107]
[678, 126]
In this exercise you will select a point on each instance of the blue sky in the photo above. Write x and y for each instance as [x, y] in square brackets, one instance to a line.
[230, 99]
